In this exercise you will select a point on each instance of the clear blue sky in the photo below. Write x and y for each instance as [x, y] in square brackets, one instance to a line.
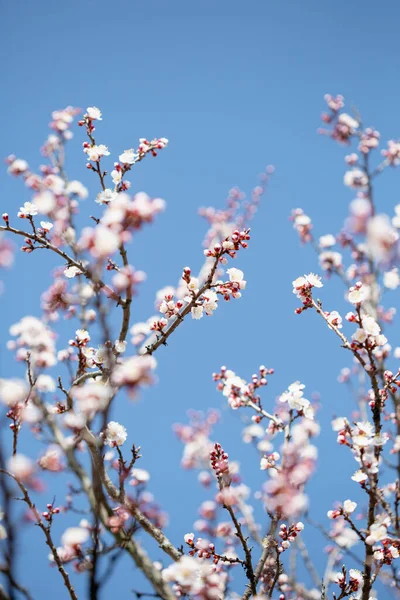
[234, 86]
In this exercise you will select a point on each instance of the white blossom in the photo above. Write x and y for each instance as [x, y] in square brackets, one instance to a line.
[326, 241]
[13, 391]
[120, 346]
[74, 536]
[115, 434]
[381, 237]
[357, 294]
[391, 279]
[347, 120]
[45, 383]
[96, 152]
[128, 157]
[314, 280]
[17, 167]
[210, 303]
[116, 176]
[236, 275]
[193, 284]
[378, 530]
[70, 272]
[349, 507]
[46, 226]
[355, 178]
[396, 218]
[45, 202]
[105, 242]
[359, 476]
[28, 210]
[370, 326]
[294, 397]
[106, 196]
[94, 113]
[359, 336]
[139, 476]
[76, 188]
[197, 312]
[21, 466]
[82, 335]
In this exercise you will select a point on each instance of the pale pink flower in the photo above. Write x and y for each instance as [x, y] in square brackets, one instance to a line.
[391, 279]
[51, 460]
[185, 572]
[92, 397]
[45, 383]
[17, 166]
[21, 467]
[355, 178]
[347, 120]
[382, 237]
[139, 476]
[76, 188]
[13, 391]
[105, 242]
[74, 536]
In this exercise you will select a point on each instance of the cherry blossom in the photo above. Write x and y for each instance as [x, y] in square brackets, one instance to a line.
[115, 434]
[391, 279]
[74, 536]
[91, 348]
[93, 113]
[28, 210]
[355, 178]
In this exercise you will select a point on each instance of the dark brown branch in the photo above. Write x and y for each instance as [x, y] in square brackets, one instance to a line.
[114, 493]
[246, 550]
[46, 530]
[185, 311]
[268, 544]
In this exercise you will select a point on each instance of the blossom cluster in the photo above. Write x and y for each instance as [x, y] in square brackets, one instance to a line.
[86, 351]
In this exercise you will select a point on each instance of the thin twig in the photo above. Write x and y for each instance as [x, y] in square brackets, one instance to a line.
[98, 283]
[47, 534]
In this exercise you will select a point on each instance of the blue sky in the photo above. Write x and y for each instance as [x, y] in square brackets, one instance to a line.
[234, 86]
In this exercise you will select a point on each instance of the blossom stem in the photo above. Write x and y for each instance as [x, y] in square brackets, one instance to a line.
[46, 531]
[268, 544]
[247, 552]
[99, 506]
[98, 283]
[126, 306]
[346, 343]
[115, 494]
[263, 412]
[185, 311]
